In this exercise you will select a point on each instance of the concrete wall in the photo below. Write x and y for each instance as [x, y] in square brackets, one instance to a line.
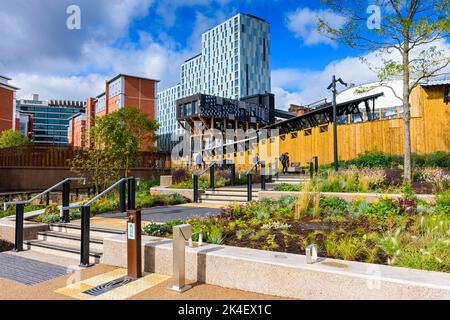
[347, 196]
[284, 274]
[188, 193]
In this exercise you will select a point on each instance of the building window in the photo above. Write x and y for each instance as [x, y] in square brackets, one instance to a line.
[308, 132]
[323, 128]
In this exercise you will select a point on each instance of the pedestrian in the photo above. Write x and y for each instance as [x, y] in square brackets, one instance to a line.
[199, 160]
[284, 159]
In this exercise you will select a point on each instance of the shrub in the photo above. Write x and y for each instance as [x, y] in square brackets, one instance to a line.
[333, 205]
[333, 183]
[382, 208]
[50, 218]
[145, 201]
[372, 159]
[287, 187]
[443, 203]
[406, 205]
[160, 229]
[439, 159]
[144, 186]
[439, 178]
[179, 174]
[215, 234]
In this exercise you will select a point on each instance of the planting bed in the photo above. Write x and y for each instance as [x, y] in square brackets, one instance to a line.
[405, 232]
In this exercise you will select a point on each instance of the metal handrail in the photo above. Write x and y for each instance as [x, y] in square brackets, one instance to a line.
[101, 194]
[6, 204]
[254, 165]
[210, 165]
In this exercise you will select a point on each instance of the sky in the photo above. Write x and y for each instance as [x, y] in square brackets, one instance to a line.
[151, 38]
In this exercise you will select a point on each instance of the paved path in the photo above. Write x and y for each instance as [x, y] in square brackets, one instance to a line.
[165, 213]
[28, 271]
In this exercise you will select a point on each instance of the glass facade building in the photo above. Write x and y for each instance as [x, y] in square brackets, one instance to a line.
[234, 63]
[50, 118]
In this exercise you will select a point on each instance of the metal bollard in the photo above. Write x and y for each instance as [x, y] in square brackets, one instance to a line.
[233, 174]
[270, 173]
[122, 196]
[316, 165]
[211, 176]
[195, 178]
[263, 176]
[134, 250]
[311, 254]
[249, 186]
[18, 245]
[85, 237]
[65, 201]
[131, 193]
[311, 169]
[181, 234]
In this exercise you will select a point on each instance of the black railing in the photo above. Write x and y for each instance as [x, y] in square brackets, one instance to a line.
[250, 178]
[20, 208]
[314, 166]
[196, 176]
[86, 211]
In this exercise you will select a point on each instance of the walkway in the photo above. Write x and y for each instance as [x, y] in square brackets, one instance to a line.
[166, 213]
[49, 290]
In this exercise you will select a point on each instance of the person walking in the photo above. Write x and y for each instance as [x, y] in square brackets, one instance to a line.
[284, 159]
[199, 160]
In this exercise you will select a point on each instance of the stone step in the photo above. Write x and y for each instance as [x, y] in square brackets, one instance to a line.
[67, 251]
[227, 197]
[224, 201]
[95, 232]
[230, 193]
[70, 239]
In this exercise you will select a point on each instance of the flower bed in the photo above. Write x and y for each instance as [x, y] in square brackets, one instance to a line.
[405, 232]
[425, 181]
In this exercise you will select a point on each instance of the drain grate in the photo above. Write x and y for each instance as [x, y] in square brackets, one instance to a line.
[108, 286]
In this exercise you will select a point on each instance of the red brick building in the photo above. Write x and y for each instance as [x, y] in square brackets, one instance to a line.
[120, 92]
[7, 104]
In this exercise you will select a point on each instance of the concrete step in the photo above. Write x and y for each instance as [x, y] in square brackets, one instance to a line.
[71, 239]
[230, 193]
[226, 196]
[95, 232]
[224, 201]
[67, 251]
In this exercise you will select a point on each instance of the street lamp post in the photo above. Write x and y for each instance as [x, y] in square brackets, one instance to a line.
[332, 86]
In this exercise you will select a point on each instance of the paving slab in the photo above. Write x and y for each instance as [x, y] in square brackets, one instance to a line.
[165, 213]
[28, 271]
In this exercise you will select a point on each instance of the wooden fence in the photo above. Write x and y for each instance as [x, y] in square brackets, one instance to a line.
[58, 157]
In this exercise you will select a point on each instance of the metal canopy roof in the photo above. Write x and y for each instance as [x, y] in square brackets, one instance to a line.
[324, 114]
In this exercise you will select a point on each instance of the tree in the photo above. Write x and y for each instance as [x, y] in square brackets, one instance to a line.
[409, 28]
[10, 138]
[115, 140]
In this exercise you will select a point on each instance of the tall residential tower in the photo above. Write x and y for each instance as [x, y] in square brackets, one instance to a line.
[234, 63]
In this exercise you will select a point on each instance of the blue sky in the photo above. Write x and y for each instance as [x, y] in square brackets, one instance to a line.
[152, 38]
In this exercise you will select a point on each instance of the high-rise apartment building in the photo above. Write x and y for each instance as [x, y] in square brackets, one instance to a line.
[50, 118]
[234, 63]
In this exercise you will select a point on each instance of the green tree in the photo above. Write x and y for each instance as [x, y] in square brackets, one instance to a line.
[10, 138]
[406, 27]
[116, 139]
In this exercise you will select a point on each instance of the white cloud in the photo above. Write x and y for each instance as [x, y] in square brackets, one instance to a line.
[303, 23]
[295, 86]
[59, 87]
